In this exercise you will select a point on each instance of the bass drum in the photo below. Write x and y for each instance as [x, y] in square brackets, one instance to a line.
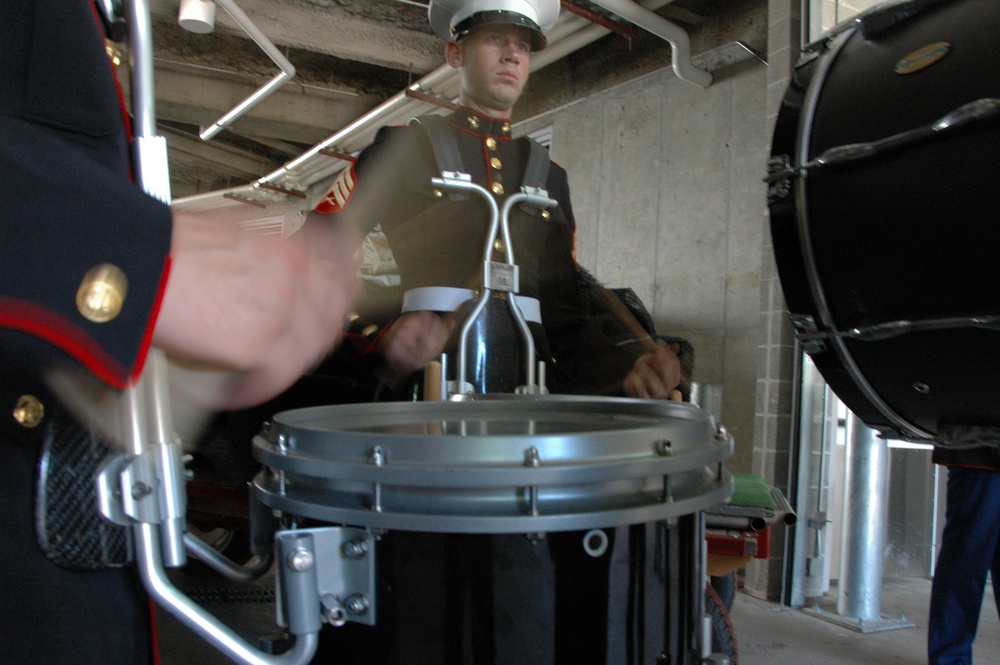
[884, 215]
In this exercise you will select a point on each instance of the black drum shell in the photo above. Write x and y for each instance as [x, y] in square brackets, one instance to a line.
[906, 235]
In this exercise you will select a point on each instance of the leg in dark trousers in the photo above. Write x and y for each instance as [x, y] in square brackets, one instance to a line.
[969, 548]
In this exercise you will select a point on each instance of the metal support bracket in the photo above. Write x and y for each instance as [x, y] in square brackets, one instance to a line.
[343, 561]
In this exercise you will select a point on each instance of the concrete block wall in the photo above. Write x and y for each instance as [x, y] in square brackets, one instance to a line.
[668, 194]
[773, 435]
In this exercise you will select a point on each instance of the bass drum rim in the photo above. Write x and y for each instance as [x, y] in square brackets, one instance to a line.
[902, 402]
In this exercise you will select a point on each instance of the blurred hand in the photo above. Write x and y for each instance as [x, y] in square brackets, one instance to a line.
[414, 339]
[655, 373]
[264, 310]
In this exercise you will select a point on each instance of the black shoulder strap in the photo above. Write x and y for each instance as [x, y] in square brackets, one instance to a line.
[536, 173]
[448, 158]
[445, 147]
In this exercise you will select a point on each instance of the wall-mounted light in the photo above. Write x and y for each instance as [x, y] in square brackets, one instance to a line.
[197, 16]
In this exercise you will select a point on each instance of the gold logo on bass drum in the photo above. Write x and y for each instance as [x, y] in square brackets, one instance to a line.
[922, 58]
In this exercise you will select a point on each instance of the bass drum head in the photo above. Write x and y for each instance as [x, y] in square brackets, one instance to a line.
[888, 262]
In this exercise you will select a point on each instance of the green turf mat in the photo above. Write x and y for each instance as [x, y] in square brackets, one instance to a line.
[750, 491]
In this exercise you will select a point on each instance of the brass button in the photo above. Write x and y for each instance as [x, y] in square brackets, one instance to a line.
[498, 245]
[473, 121]
[114, 52]
[437, 193]
[546, 214]
[496, 163]
[491, 143]
[370, 331]
[29, 411]
[497, 188]
[102, 293]
[506, 128]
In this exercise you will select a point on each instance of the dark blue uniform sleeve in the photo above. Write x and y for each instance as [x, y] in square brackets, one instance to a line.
[67, 204]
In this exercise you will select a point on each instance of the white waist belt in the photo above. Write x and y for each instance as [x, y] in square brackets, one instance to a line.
[448, 298]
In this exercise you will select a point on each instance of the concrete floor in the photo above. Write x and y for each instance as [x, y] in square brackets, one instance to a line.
[767, 633]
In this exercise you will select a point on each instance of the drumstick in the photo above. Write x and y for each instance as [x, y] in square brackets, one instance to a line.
[640, 334]
[432, 381]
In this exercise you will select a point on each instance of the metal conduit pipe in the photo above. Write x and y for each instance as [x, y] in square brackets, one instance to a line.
[679, 41]
[570, 33]
[443, 82]
[287, 70]
[312, 166]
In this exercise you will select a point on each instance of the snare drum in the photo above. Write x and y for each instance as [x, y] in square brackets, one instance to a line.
[884, 216]
[513, 529]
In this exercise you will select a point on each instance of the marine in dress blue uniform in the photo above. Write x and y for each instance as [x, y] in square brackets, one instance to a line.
[471, 598]
[438, 242]
[83, 259]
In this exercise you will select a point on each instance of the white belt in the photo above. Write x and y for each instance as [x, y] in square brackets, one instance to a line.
[448, 298]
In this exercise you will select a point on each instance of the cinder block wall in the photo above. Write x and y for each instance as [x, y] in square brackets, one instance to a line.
[668, 193]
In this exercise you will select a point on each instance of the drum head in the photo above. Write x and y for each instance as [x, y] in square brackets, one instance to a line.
[507, 465]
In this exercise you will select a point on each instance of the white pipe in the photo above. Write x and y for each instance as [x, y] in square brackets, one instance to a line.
[287, 70]
[443, 80]
[680, 43]
[570, 33]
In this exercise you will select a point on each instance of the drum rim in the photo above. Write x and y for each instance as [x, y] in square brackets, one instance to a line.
[266, 491]
[651, 482]
[824, 61]
[493, 459]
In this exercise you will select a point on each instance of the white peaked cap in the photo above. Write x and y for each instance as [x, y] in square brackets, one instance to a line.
[446, 16]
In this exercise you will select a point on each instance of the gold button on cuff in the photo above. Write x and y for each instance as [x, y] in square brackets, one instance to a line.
[473, 121]
[491, 143]
[29, 411]
[437, 193]
[370, 331]
[114, 52]
[546, 214]
[497, 188]
[498, 245]
[496, 163]
[506, 128]
[102, 293]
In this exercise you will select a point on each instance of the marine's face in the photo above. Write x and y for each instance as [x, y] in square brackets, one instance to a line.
[493, 61]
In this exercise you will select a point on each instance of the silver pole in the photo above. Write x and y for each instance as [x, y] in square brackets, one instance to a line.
[865, 501]
[157, 485]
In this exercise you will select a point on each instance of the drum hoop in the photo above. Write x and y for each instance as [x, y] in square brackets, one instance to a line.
[810, 104]
[266, 491]
[295, 442]
[594, 462]
[549, 473]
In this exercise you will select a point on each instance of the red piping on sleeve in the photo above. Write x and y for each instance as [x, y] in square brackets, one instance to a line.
[41, 323]
[147, 338]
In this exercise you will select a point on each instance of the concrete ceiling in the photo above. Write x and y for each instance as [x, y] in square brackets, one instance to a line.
[351, 56]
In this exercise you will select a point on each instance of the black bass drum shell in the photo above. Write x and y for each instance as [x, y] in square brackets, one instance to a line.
[909, 235]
